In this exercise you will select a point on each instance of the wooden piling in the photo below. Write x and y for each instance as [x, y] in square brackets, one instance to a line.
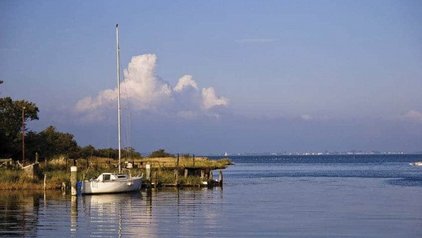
[176, 177]
[73, 180]
[155, 178]
[45, 181]
[148, 172]
[63, 187]
[220, 178]
[36, 157]
[177, 161]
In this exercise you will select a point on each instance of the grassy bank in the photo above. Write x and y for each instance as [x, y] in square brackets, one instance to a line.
[57, 171]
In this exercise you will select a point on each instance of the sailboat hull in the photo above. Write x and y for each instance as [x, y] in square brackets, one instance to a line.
[116, 186]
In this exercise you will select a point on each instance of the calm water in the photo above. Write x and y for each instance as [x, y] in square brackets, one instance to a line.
[303, 196]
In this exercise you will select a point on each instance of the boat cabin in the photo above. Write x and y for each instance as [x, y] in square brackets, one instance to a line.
[104, 177]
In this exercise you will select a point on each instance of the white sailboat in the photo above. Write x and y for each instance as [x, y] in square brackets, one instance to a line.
[111, 182]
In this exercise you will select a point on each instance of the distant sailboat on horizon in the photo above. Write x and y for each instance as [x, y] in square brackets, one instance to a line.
[111, 182]
[417, 163]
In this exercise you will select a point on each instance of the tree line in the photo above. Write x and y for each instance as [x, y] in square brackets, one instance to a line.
[47, 143]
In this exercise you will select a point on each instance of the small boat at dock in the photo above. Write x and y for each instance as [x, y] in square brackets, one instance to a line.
[111, 183]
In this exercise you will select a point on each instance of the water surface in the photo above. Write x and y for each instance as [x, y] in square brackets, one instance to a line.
[290, 196]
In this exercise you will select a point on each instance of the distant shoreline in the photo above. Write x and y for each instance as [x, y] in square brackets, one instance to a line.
[319, 154]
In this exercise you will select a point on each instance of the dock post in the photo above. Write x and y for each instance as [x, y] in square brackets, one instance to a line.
[45, 181]
[177, 161]
[155, 178]
[73, 180]
[148, 172]
[220, 178]
[176, 177]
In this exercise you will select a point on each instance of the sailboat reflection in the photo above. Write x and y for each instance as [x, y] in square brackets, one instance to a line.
[150, 213]
[117, 214]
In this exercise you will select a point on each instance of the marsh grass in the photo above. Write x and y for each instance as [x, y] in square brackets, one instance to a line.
[16, 179]
[200, 162]
[191, 181]
[165, 177]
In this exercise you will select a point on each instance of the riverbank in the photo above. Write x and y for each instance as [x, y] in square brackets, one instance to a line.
[55, 174]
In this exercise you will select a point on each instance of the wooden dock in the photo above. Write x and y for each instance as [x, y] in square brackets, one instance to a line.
[201, 177]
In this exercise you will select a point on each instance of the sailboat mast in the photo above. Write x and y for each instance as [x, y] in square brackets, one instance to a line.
[118, 94]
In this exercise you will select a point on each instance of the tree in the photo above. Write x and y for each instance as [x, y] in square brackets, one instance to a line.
[160, 154]
[11, 124]
[107, 153]
[129, 152]
[87, 151]
[54, 143]
[33, 144]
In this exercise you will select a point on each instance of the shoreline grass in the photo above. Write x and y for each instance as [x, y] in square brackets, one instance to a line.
[57, 171]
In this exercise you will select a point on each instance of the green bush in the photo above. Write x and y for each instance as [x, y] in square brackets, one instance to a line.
[161, 153]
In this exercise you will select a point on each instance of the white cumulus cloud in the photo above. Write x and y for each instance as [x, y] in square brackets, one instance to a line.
[144, 90]
[210, 99]
[141, 86]
[185, 82]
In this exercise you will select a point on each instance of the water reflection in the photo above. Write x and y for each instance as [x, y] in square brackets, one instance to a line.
[20, 212]
[73, 214]
[152, 213]
[111, 214]
[249, 207]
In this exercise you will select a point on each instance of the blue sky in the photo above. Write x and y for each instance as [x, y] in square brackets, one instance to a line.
[235, 76]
